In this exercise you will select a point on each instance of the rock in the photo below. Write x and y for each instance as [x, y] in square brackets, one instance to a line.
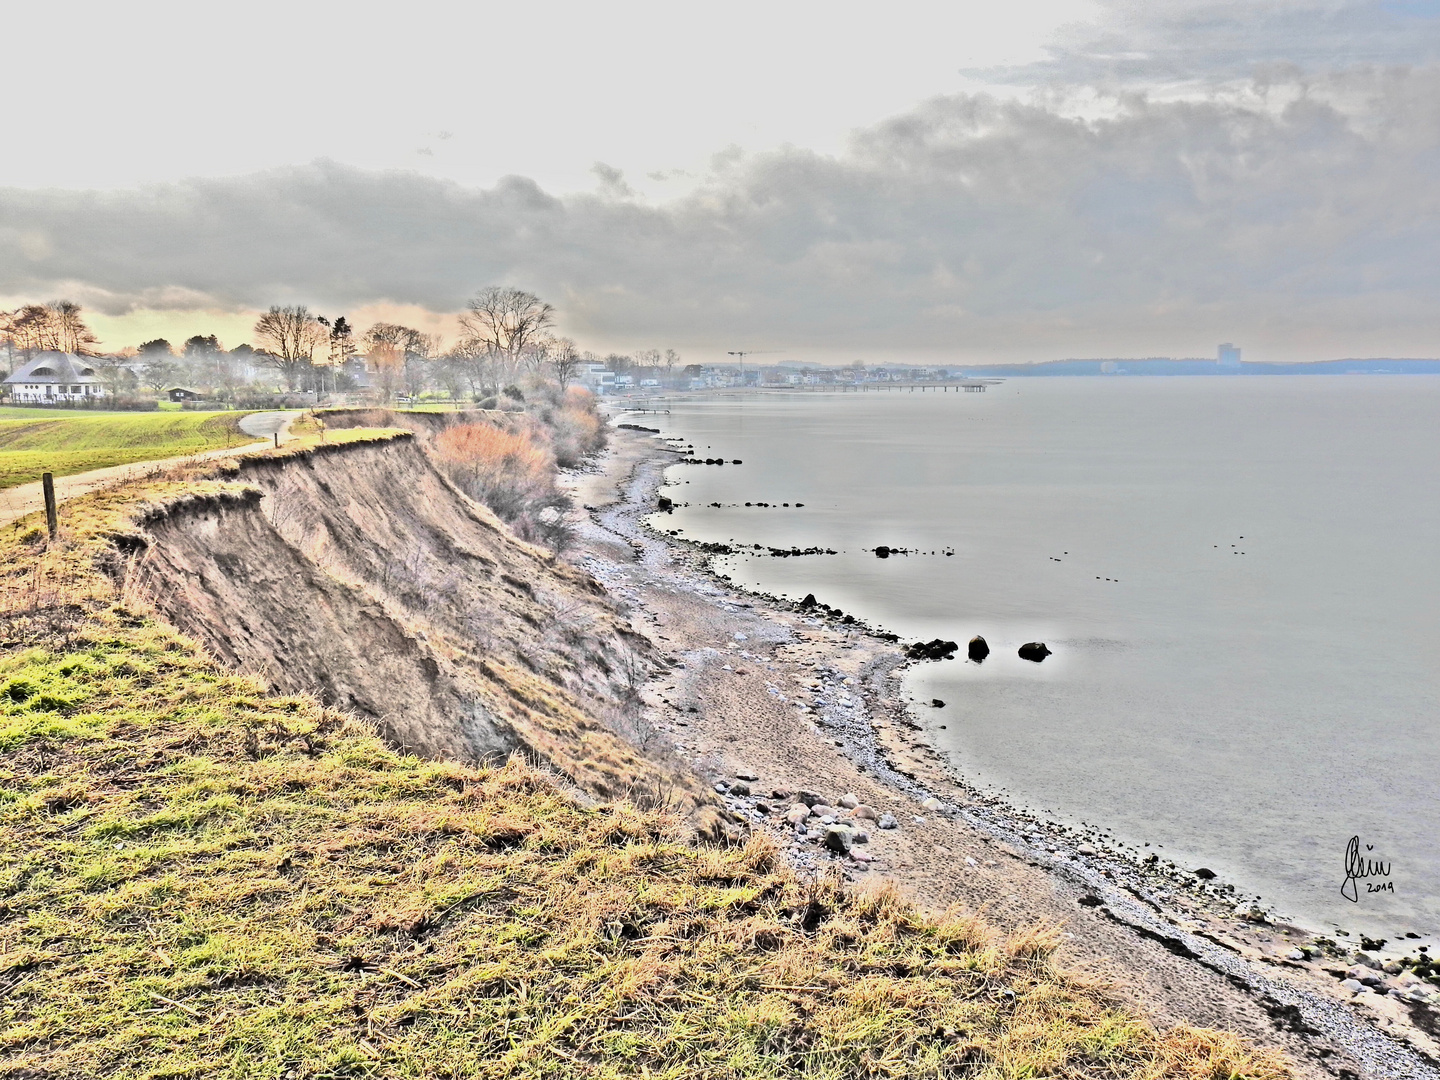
[1034, 650]
[1366, 959]
[865, 813]
[740, 789]
[1205, 874]
[849, 801]
[764, 808]
[887, 821]
[936, 649]
[861, 856]
[882, 552]
[1295, 954]
[747, 776]
[932, 804]
[722, 787]
[665, 504]
[809, 798]
[1392, 968]
[1086, 849]
[978, 648]
[859, 836]
[809, 602]
[837, 839]
[797, 813]
[936, 703]
[820, 810]
[1353, 986]
[779, 793]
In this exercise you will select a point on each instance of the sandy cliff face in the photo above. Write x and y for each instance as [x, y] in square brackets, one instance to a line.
[358, 573]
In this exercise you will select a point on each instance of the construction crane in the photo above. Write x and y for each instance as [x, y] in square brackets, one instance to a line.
[742, 353]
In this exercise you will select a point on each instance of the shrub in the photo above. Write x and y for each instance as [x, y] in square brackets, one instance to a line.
[512, 471]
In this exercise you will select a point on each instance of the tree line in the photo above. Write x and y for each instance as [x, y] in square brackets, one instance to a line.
[505, 335]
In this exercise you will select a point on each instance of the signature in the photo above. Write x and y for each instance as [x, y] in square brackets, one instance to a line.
[1358, 866]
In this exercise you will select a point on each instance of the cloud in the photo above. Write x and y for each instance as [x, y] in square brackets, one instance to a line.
[1212, 41]
[1305, 220]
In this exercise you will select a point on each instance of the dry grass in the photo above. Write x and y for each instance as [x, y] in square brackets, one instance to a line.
[200, 880]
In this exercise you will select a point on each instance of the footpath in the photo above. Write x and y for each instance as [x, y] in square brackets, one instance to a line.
[24, 499]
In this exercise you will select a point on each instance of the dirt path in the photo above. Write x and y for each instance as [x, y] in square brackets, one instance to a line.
[803, 704]
[23, 499]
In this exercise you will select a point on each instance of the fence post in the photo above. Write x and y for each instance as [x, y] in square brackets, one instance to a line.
[277, 440]
[52, 516]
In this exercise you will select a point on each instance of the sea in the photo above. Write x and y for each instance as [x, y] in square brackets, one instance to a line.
[1239, 580]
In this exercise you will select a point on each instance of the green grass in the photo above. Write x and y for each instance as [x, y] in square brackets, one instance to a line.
[201, 880]
[67, 443]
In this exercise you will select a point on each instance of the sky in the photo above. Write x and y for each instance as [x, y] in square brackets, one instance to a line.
[936, 182]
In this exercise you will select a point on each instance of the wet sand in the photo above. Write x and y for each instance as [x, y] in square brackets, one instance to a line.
[757, 688]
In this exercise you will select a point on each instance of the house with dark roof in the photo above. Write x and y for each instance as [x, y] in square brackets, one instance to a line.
[52, 378]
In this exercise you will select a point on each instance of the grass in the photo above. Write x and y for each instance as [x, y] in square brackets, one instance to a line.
[199, 880]
[68, 443]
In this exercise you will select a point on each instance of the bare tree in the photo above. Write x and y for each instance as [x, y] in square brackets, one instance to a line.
[506, 322]
[565, 362]
[293, 335]
[71, 333]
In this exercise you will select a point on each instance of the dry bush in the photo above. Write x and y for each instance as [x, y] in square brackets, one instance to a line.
[510, 471]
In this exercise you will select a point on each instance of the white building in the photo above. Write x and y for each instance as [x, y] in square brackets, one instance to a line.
[1229, 356]
[54, 377]
[597, 378]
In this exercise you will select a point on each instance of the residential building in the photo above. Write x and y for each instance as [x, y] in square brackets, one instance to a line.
[53, 378]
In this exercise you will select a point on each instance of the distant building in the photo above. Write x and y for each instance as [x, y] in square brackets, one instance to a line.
[597, 378]
[54, 377]
[183, 393]
[1229, 357]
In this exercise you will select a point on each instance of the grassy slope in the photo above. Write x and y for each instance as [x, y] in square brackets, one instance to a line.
[200, 880]
[74, 442]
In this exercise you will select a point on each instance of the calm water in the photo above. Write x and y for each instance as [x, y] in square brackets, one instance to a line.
[1258, 680]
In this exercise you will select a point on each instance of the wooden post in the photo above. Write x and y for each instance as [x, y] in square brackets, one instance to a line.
[52, 516]
[277, 440]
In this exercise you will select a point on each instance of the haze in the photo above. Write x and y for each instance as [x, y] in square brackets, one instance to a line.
[1053, 179]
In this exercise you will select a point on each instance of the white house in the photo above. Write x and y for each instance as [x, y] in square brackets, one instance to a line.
[596, 378]
[54, 377]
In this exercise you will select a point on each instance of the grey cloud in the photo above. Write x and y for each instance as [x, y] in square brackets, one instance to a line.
[966, 225]
[1207, 41]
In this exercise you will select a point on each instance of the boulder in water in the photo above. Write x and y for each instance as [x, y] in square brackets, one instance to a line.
[979, 648]
[809, 602]
[882, 552]
[1034, 650]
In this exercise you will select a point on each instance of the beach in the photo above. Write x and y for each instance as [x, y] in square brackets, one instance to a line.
[767, 702]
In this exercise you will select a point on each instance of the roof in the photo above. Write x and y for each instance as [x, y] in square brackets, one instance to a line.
[54, 367]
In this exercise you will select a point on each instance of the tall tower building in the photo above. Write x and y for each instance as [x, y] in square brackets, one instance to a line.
[1229, 357]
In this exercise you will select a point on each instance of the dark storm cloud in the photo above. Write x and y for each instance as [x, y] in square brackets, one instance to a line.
[966, 222]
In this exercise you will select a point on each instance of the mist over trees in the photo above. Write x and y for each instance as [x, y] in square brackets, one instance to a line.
[506, 345]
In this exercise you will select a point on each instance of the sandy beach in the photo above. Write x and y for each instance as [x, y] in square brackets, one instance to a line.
[776, 707]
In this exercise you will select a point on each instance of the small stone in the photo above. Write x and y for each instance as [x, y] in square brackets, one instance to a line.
[1205, 874]
[751, 777]
[1353, 986]
[764, 808]
[849, 801]
[1392, 968]
[932, 804]
[809, 798]
[887, 821]
[780, 793]
[860, 836]
[866, 813]
[1295, 954]
[1086, 849]
[739, 789]
[837, 839]
[820, 810]
[722, 787]
[861, 856]
[797, 813]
